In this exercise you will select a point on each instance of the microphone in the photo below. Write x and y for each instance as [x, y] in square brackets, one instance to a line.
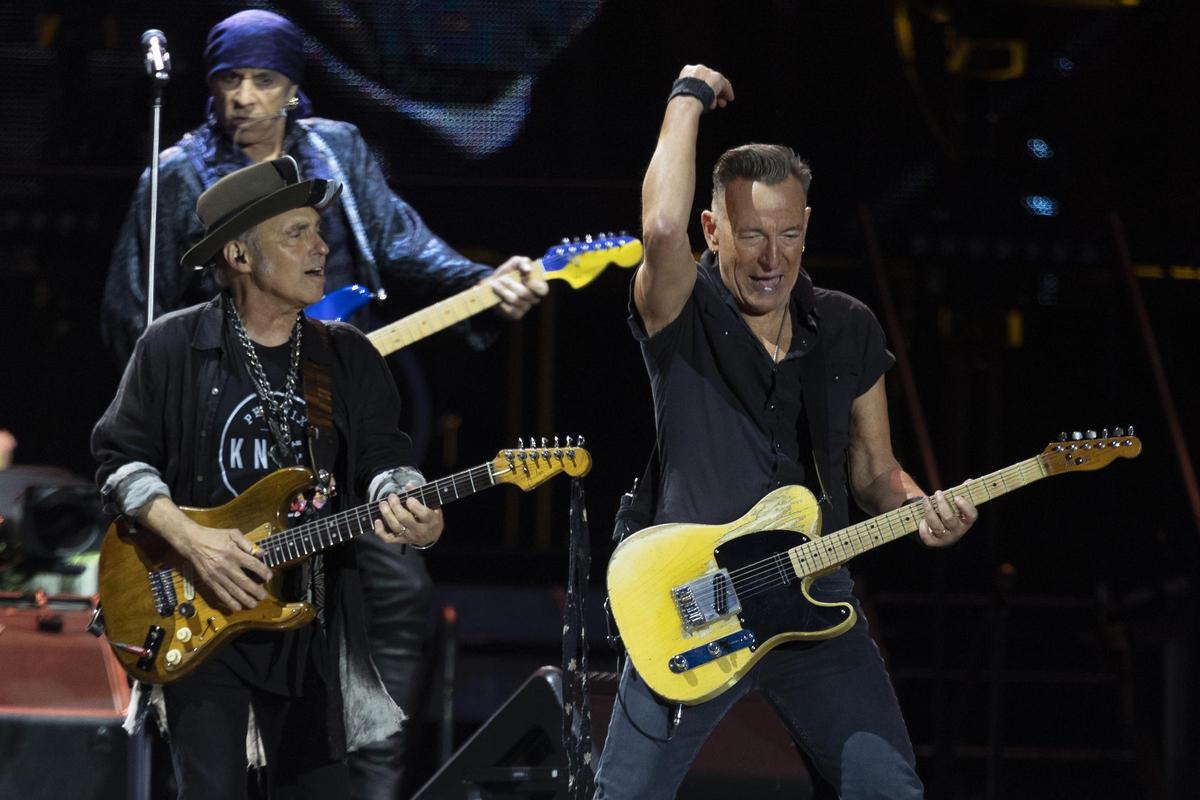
[158, 60]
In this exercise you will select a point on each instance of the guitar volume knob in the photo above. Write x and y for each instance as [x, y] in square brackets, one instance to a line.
[173, 657]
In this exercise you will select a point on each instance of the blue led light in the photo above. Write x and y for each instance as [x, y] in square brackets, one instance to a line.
[1039, 148]
[1064, 65]
[1040, 205]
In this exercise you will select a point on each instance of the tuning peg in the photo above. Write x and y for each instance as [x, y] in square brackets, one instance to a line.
[568, 440]
[543, 442]
[1089, 434]
[1104, 433]
[1076, 435]
[565, 240]
[555, 442]
[1062, 436]
[579, 441]
[520, 443]
[587, 238]
[1118, 432]
[1131, 430]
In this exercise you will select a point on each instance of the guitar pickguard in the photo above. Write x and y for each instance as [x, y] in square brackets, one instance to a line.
[773, 599]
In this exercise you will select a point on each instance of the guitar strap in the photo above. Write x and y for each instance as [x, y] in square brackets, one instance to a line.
[318, 399]
[814, 388]
[636, 508]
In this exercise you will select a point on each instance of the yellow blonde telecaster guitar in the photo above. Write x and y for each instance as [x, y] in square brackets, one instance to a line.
[698, 605]
[161, 626]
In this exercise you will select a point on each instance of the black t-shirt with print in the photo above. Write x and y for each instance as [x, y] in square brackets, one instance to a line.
[270, 660]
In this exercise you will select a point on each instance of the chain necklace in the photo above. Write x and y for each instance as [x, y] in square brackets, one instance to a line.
[277, 412]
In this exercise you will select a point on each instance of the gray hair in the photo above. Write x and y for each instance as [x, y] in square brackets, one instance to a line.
[768, 163]
[221, 268]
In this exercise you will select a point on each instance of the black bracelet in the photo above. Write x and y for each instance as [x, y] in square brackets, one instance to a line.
[693, 87]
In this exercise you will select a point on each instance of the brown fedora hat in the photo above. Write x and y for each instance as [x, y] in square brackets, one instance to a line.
[254, 194]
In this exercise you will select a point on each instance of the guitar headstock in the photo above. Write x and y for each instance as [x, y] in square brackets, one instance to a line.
[580, 261]
[1085, 451]
[528, 467]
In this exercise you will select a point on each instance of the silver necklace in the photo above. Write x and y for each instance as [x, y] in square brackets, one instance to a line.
[779, 338]
[277, 412]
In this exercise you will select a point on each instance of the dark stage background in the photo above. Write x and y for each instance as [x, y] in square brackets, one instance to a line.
[990, 143]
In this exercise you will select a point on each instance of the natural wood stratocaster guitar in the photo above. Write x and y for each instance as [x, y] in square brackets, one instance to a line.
[161, 626]
[578, 263]
[698, 605]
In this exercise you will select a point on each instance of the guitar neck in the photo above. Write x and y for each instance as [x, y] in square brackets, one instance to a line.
[295, 544]
[439, 316]
[840, 546]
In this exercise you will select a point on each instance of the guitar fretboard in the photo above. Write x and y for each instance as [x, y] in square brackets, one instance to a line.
[437, 317]
[299, 542]
[840, 546]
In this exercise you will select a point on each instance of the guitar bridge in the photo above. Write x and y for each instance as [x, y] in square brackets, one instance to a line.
[705, 600]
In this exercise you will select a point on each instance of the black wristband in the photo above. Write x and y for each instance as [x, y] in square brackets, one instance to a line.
[693, 87]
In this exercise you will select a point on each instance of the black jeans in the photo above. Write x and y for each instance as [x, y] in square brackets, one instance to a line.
[398, 592]
[207, 715]
[835, 698]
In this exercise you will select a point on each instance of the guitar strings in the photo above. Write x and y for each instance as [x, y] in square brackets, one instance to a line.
[768, 573]
[850, 541]
[303, 533]
[280, 540]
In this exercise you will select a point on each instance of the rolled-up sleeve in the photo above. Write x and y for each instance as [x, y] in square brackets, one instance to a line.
[127, 440]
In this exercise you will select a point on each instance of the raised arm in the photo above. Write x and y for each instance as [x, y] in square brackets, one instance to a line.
[665, 279]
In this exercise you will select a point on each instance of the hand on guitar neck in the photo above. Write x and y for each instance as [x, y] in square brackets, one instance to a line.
[227, 563]
[408, 521]
[161, 625]
[518, 286]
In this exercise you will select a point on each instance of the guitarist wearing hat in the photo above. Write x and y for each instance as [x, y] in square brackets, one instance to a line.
[214, 397]
[254, 65]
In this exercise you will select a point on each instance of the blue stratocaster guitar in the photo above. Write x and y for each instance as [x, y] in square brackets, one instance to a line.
[577, 263]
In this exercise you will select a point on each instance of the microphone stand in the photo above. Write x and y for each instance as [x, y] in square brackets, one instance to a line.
[160, 73]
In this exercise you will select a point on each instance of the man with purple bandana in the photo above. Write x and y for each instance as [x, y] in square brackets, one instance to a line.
[254, 62]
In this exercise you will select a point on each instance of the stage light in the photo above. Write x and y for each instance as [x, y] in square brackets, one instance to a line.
[1039, 148]
[1039, 205]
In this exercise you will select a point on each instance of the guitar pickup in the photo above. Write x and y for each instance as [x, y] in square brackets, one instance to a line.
[706, 599]
[162, 589]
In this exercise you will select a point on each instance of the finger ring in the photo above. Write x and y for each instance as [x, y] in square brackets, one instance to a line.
[403, 529]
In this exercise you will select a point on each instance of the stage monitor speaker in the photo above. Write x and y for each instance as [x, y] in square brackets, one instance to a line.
[62, 701]
[518, 755]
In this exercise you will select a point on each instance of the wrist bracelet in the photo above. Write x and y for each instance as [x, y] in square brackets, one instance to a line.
[693, 87]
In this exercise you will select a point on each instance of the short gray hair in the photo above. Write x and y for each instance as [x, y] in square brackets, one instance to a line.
[769, 163]
[221, 268]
